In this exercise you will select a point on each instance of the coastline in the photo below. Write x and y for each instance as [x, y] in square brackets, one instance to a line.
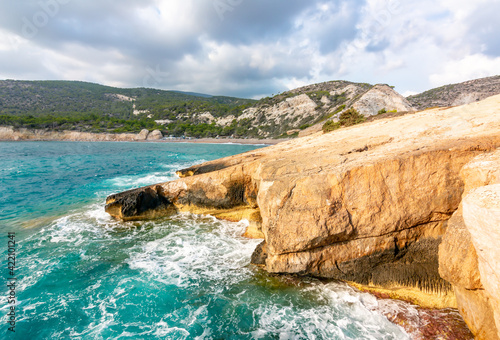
[252, 141]
[8, 133]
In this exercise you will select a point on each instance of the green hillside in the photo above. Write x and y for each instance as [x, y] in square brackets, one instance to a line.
[74, 105]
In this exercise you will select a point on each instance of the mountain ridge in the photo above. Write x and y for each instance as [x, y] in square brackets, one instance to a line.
[89, 107]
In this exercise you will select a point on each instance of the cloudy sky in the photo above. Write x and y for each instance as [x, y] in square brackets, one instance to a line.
[250, 48]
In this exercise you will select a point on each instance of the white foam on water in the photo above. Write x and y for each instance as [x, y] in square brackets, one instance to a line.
[341, 314]
[163, 330]
[188, 251]
[199, 249]
[141, 180]
[134, 181]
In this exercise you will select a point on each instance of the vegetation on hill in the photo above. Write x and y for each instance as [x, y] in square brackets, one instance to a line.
[277, 115]
[82, 106]
[347, 118]
[73, 105]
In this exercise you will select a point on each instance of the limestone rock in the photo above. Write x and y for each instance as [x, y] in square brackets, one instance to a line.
[368, 203]
[476, 309]
[457, 94]
[155, 135]
[294, 108]
[139, 204]
[381, 97]
[143, 135]
[482, 170]
[481, 210]
[458, 256]
[9, 133]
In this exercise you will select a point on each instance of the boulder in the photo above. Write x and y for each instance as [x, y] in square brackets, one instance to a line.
[155, 135]
[143, 135]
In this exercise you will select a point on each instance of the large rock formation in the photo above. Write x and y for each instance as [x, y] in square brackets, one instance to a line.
[155, 135]
[368, 103]
[307, 108]
[381, 97]
[469, 254]
[481, 209]
[368, 203]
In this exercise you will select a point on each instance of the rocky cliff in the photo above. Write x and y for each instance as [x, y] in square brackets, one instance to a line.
[368, 204]
[312, 105]
[9, 133]
[469, 255]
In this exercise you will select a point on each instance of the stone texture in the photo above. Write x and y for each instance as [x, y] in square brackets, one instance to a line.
[476, 309]
[482, 170]
[457, 94]
[459, 262]
[294, 108]
[457, 255]
[368, 203]
[155, 135]
[381, 97]
[481, 211]
[143, 135]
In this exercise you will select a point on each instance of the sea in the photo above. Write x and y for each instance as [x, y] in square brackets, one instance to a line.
[70, 271]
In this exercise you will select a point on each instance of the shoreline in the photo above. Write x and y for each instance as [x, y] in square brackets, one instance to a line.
[250, 141]
[8, 133]
[190, 141]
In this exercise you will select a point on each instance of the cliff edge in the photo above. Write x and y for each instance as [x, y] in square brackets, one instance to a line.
[367, 204]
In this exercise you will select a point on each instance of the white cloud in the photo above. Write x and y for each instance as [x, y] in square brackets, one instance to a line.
[469, 67]
[258, 47]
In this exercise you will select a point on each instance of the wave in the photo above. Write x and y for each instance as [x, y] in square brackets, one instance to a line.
[181, 277]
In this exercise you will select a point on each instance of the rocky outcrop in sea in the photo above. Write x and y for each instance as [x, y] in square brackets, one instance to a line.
[368, 204]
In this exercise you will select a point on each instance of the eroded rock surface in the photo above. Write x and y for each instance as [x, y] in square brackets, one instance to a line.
[369, 203]
[381, 97]
[481, 210]
[459, 260]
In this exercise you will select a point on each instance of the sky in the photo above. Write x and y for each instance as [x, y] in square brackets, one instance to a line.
[250, 48]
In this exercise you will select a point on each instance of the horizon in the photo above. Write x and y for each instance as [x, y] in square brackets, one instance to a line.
[245, 49]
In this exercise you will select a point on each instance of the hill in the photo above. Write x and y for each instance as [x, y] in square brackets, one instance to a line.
[309, 107]
[457, 94]
[88, 107]
[82, 106]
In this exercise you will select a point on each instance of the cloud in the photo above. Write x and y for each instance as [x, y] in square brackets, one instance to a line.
[469, 67]
[249, 48]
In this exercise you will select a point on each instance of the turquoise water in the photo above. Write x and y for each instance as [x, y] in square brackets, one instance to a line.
[82, 275]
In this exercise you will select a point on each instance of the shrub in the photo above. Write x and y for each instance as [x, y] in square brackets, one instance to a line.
[347, 118]
[351, 117]
[330, 126]
[382, 111]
